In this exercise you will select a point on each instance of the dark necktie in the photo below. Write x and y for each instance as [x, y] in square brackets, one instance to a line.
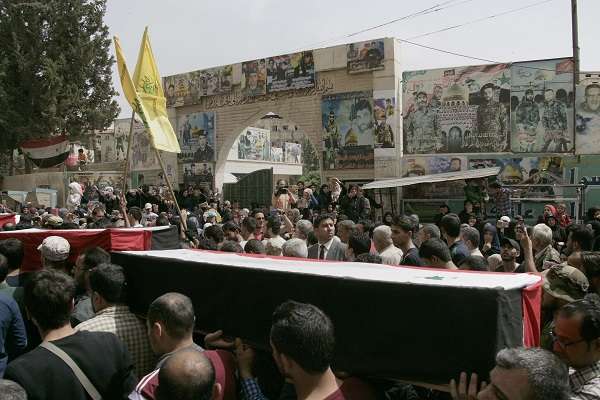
[322, 252]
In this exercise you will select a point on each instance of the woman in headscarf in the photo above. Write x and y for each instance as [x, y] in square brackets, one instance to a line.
[491, 241]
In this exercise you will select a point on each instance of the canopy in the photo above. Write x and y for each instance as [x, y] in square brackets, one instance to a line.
[443, 177]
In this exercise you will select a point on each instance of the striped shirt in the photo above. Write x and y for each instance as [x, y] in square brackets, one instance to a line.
[585, 383]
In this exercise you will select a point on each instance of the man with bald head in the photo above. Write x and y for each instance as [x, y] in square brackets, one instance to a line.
[187, 375]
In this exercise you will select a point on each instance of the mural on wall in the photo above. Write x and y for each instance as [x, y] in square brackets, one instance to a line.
[456, 110]
[293, 153]
[178, 90]
[386, 122]
[121, 136]
[143, 156]
[348, 131]
[542, 106]
[365, 56]
[188, 88]
[199, 174]
[196, 135]
[291, 71]
[100, 179]
[587, 127]
[276, 153]
[419, 166]
[254, 144]
[254, 77]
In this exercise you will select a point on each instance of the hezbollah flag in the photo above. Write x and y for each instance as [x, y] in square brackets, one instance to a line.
[146, 96]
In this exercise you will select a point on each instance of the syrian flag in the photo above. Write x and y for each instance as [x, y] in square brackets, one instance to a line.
[47, 152]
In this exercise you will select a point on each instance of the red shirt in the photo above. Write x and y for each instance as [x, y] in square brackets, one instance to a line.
[353, 389]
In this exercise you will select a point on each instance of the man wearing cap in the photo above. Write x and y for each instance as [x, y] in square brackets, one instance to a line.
[53, 222]
[576, 340]
[509, 251]
[492, 121]
[563, 284]
[148, 214]
[528, 118]
[54, 253]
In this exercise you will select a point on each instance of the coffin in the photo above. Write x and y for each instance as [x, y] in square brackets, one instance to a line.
[403, 323]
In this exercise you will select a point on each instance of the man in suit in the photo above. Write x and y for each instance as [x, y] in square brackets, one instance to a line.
[329, 246]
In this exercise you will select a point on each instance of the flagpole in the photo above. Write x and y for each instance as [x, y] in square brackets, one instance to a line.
[164, 170]
[129, 145]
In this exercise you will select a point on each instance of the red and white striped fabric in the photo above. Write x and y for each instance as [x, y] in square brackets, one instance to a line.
[47, 152]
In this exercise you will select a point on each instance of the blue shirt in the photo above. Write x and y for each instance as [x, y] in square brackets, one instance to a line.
[13, 338]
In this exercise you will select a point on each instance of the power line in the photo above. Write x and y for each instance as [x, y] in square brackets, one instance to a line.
[514, 10]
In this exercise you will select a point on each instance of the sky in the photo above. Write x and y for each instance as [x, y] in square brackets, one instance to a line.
[188, 35]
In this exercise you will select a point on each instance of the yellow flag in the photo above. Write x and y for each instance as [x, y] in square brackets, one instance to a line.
[147, 84]
[126, 82]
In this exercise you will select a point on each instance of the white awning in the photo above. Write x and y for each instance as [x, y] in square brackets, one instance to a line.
[229, 178]
[443, 177]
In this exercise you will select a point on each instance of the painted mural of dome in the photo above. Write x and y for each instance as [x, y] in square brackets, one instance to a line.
[455, 95]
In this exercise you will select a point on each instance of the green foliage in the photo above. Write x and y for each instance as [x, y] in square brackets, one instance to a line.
[55, 69]
[311, 178]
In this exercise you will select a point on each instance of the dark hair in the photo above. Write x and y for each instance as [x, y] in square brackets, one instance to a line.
[591, 264]
[305, 334]
[450, 223]
[405, 223]
[231, 247]
[136, 213]
[215, 233]
[435, 247]
[495, 185]
[48, 298]
[359, 243]
[472, 235]
[368, 226]
[176, 312]
[311, 238]
[162, 220]
[230, 226]
[207, 244]
[94, 256]
[275, 224]
[3, 267]
[589, 309]
[186, 375]
[473, 263]
[14, 252]
[108, 280]
[249, 223]
[583, 235]
[369, 258]
[320, 218]
[254, 246]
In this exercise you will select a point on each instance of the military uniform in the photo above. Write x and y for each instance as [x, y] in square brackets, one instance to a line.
[492, 123]
[422, 127]
[528, 117]
[332, 144]
[554, 121]
[205, 154]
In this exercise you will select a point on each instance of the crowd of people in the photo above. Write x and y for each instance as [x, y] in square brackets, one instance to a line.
[81, 309]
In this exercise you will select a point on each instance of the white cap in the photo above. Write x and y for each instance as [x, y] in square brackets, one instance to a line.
[504, 218]
[148, 206]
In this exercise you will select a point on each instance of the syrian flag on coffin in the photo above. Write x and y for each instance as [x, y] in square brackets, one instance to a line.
[48, 152]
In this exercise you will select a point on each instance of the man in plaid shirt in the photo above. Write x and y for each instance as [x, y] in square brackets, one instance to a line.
[107, 284]
[501, 198]
[576, 337]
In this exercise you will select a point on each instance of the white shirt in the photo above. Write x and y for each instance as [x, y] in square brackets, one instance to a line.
[276, 241]
[476, 252]
[327, 247]
[391, 255]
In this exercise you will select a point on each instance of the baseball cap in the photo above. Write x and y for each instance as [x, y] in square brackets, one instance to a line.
[504, 218]
[54, 221]
[565, 282]
[511, 242]
[148, 206]
[55, 248]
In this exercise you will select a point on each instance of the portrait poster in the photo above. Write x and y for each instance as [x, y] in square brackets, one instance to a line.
[293, 153]
[587, 126]
[143, 155]
[196, 135]
[365, 56]
[101, 179]
[386, 122]
[199, 174]
[291, 71]
[254, 144]
[213, 81]
[178, 90]
[276, 154]
[456, 110]
[254, 77]
[348, 132]
[541, 105]
[108, 147]
[420, 165]
[121, 136]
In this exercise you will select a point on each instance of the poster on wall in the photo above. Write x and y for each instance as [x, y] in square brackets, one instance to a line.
[386, 122]
[254, 144]
[419, 166]
[196, 135]
[178, 90]
[292, 71]
[457, 110]
[365, 56]
[276, 153]
[542, 106]
[199, 174]
[587, 127]
[348, 132]
[121, 137]
[293, 153]
[108, 147]
[100, 179]
[213, 81]
[143, 156]
[254, 77]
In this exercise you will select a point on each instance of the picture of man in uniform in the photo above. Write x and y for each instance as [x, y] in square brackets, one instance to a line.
[186, 131]
[422, 128]
[436, 99]
[554, 121]
[332, 140]
[591, 103]
[588, 118]
[492, 120]
[528, 118]
[455, 142]
[205, 152]
[363, 121]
